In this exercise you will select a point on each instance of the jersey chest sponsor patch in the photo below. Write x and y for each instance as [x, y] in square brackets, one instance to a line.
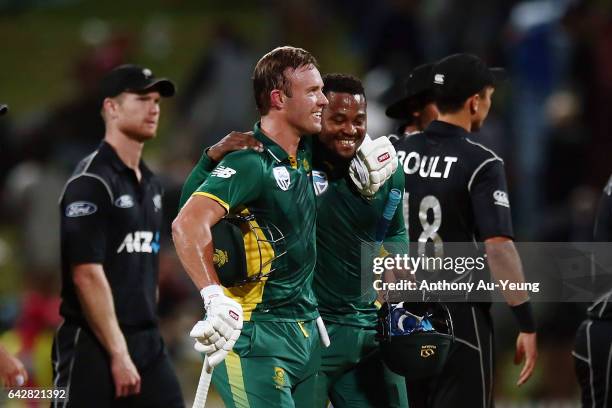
[320, 182]
[140, 241]
[124, 201]
[80, 209]
[282, 177]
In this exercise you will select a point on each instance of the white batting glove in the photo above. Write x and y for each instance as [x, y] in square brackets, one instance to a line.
[374, 164]
[217, 333]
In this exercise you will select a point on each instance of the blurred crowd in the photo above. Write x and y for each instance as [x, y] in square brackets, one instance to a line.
[551, 124]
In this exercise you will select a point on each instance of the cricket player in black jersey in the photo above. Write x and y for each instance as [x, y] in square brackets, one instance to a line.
[463, 185]
[593, 347]
[417, 109]
[108, 351]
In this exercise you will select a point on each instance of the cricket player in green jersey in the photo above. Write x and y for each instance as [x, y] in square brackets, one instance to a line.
[262, 336]
[352, 373]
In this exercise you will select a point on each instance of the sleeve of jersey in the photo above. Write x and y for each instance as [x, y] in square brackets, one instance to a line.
[235, 181]
[195, 179]
[396, 240]
[85, 209]
[490, 202]
[603, 223]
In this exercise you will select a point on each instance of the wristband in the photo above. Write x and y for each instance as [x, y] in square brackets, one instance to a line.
[209, 292]
[524, 317]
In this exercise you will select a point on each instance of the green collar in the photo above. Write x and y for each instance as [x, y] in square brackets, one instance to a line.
[277, 152]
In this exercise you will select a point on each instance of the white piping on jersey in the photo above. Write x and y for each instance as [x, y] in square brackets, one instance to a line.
[588, 334]
[490, 369]
[86, 174]
[483, 147]
[272, 154]
[479, 168]
[467, 343]
[605, 401]
[76, 342]
[482, 375]
[605, 298]
[603, 306]
[579, 357]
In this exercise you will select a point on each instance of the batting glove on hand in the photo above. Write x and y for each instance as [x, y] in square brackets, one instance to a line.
[374, 164]
[217, 333]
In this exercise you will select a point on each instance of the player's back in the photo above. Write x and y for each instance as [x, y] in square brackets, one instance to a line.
[441, 165]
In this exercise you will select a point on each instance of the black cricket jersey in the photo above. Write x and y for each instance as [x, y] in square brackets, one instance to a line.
[110, 218]
[602, 306]
[455, 188]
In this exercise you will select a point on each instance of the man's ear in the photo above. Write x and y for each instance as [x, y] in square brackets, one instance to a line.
[110, 106]
[277, 99]
[474, 101]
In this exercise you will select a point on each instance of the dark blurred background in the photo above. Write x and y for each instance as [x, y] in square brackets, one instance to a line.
[551, 123]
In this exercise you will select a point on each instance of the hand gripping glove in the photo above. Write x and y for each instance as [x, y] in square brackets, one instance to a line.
[217, 333]
[374, 164]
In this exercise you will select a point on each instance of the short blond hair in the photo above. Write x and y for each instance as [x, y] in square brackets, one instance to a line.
[269, 73]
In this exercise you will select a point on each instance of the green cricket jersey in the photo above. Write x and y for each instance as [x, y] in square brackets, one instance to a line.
[277, 189]
[346, 220]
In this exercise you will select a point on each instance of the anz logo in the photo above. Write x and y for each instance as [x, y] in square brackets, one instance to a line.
[140, 242]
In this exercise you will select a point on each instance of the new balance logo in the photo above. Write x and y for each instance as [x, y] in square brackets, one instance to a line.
[140, 241]
[223, 172]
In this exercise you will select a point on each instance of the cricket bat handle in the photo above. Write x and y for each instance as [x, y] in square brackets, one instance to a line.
[203, 385]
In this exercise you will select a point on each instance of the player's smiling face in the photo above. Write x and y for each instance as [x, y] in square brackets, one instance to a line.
[305, 105]
[344, 123]
[138, 114]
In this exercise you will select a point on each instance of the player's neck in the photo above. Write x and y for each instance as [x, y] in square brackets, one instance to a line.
[128, 150]
[461, 119]
[283, 134]
[412, 129]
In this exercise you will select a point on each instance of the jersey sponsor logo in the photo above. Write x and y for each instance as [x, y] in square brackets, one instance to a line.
[140, 242]
[223, 172]
[439, 79]
[383, 157]
[124, 201]
[283, 179]
[428, 167]
[501, 198]
[320, 182]
[80, 209]
[157, 202]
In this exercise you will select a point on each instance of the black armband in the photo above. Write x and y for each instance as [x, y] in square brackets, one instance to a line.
[524, 317]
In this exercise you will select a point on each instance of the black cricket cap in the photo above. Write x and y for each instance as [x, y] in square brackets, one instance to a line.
[459, 76]
[3, 109]
[132, 78]
[419, 87]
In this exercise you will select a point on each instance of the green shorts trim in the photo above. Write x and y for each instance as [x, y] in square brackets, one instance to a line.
[273, 364]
